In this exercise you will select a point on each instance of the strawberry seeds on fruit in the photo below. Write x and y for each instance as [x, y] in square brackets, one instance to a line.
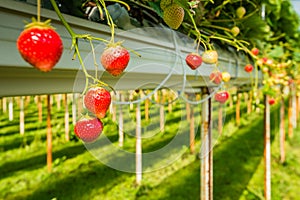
[115, 58]
[97, 100]
[88, 129]
[40, 45]
[193, 60]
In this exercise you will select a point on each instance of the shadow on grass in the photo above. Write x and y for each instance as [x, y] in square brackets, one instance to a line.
[88, 179]
[34, 162]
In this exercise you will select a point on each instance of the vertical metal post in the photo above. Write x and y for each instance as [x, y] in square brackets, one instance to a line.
[67, 127]
[192, 130]
[121, 133]
[22, 116]
[138, 145]
[49, 135]
[206, 150]
[10, 109]
[282, 132]
[267, 150]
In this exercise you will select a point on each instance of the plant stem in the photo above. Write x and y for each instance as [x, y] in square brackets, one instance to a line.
[38, 10]
[62, 19]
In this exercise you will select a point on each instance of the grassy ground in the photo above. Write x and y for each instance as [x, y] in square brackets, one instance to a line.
[77, 174]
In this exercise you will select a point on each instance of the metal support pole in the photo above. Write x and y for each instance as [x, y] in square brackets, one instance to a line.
[192, 130]
[282, 131]
[67, 127]
[121, 132]
[22, 116]
[267, 150]
[206, 150]
[49, 135]
[138, 146]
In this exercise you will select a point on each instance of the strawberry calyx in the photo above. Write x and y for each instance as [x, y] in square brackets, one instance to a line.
[38, 24]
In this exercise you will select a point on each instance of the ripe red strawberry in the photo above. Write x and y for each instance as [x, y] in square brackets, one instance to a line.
[248, 68]
[88, 129]
[40, 45]
[255, 51]
[115, 59]
[97, 101]
[193, 60]
[210, 57]
[222, 96]
[216, 77]
[271, 101]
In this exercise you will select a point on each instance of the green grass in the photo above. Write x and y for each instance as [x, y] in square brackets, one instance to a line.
[78, 174]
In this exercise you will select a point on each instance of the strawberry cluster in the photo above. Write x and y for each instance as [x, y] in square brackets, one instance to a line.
[97, 101]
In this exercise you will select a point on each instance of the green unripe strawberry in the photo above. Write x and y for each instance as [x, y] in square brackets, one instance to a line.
[240, 12]
[235, 31]
[173, 16]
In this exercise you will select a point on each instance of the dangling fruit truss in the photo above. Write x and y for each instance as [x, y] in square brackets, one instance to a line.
[267, 32]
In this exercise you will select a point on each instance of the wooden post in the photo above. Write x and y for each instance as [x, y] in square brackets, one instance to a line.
[192, 130]
[267, 150]
[294, 108]
[4, 104]
[49, 135]
[22, 116]
[67, 128]
[249, 103]
[113, 106]
[138, 150]
[238, 109]
[79, 106]
[74, 111]
[170, 104]
[121, 130]
[290, 118]
[206, 151]
[162, 118]
[282, 132]
[10, 109]
[147, 104]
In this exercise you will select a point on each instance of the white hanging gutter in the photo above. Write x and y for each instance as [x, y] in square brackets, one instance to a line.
[162, 52]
